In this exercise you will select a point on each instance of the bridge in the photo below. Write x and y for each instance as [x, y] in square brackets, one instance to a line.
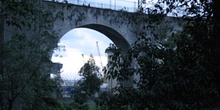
[120, 26]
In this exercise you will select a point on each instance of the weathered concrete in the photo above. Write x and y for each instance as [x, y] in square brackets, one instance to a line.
[119, 26]
[108, 22]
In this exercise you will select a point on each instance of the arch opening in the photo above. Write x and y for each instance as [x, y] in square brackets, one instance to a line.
[80, 41]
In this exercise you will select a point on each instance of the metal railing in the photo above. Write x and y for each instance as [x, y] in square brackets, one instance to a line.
[110, 4]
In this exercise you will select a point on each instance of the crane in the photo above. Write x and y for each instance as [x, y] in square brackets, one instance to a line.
[104, 79]
[99, 54]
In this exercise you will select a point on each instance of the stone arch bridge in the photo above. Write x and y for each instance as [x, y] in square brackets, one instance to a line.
[119, 26]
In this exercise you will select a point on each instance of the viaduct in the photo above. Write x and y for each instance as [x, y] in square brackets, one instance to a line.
[122, 27]
[119, 26]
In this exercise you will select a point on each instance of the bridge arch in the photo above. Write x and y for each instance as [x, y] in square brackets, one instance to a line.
[112, 34]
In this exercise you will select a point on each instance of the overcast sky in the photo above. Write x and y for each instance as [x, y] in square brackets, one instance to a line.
[77, 42]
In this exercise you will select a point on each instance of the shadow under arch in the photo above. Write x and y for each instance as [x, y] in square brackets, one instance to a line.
[113, 35]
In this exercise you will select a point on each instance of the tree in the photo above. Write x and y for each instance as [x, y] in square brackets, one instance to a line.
[26, 73]
[179, 72]
[91, 77]
[25, 78]
[89, 84]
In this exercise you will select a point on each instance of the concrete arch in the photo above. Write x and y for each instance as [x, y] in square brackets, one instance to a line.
[108, 22]
[113, 35]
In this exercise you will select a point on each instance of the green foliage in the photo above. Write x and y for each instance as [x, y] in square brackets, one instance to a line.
[88, 85]
[91, 80]
[12, 11]
[25, 79]
[26, 73]
[117, 64]
[177, 73]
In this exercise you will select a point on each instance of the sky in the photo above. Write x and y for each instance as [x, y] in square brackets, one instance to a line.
[77, 42]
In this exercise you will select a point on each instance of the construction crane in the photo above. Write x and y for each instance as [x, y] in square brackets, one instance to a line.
[99, 54]
[104, 79]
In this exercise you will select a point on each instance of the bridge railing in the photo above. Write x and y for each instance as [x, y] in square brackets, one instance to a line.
[112, 4]
[108, 4]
